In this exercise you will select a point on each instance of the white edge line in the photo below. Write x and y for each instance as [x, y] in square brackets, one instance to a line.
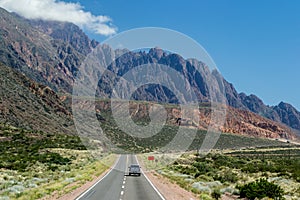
[156, 190]
[85, 192]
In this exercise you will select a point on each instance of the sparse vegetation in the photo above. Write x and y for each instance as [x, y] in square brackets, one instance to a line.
[34, 164]
[22, 148]
[168, 132]
[271, 172]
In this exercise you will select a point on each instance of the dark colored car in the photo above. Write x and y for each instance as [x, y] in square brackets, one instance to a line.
[134, 170]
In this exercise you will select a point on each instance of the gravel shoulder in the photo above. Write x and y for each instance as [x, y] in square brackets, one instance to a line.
[169, 190]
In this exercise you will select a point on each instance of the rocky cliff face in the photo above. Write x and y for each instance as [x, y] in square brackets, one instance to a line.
[51, 53]
[287, 114]
[154, 92]
[50, 56]
[66, 32]
[282, 113]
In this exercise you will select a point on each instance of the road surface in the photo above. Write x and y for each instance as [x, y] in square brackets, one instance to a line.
[117, 185]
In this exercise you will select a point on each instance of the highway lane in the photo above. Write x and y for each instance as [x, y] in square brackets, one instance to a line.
[117, 185]
[139, 187]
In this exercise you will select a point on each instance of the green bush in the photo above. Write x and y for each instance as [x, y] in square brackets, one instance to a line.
[227, 176]
[260, 189]
[202, 167]
[216, 194]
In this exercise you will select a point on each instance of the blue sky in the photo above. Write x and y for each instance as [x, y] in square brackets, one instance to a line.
[255, 44]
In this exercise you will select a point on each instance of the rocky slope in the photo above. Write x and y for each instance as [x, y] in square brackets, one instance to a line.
[46, 55]
[283, 112]
[27, 104]
[286, 114]
[51, 53]
[237, 121]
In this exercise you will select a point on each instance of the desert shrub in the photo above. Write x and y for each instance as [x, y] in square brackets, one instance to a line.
[204, 196]
[258, 166]
[197, 174]
[298, 190]
[227, 176]
[194, 190]
[189, 170]
[261, 189]
[216, 194]
[202, 167]
[265, 174]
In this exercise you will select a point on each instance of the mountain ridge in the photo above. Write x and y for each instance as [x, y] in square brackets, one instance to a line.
[51, 53]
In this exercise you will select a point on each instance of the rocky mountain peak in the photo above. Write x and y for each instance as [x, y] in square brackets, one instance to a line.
[288, 114]
[157, 53]
[284, 105]
[66, 32]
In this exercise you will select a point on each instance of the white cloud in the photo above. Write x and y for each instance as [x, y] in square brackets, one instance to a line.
[60, 11]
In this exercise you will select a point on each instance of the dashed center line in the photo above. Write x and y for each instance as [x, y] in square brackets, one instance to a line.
[123, 186]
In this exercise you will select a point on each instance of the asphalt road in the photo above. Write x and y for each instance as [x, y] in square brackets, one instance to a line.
[117, 185]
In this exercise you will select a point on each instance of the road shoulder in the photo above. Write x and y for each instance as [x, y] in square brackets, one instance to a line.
[84, 187]
[77, 192]
[169, 190]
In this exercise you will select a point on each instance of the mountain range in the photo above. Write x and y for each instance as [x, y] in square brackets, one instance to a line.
[48, 55]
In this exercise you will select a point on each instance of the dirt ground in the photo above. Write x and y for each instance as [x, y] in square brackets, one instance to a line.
[169, 190]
